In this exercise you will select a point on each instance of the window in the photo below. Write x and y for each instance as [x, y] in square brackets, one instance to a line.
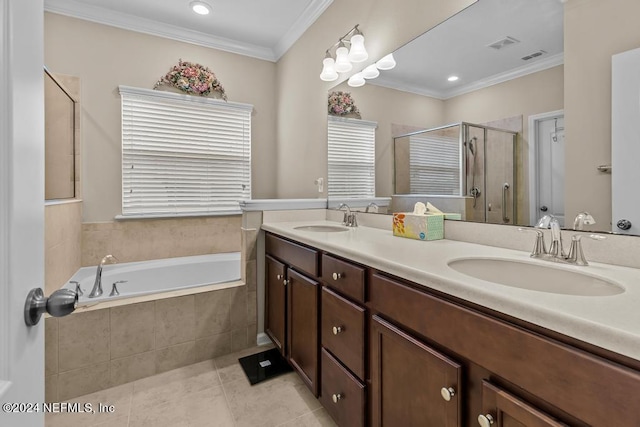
[434, 165]
[183, 155]
[351, 158]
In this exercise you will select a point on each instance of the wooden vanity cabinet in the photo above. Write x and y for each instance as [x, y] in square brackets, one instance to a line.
[292, 301]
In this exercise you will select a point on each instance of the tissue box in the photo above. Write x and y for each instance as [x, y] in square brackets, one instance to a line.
[420, 227]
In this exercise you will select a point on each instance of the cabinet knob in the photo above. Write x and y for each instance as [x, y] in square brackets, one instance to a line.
[485, 420]
[336, 397]
[337, 276]
[447, 393]
[337, 330]
[279, 277]
[285, 282]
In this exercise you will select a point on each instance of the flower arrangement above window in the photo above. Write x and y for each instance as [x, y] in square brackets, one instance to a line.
[342, 104]
[193, 79]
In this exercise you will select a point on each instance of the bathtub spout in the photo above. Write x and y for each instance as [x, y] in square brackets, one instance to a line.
[97, 285]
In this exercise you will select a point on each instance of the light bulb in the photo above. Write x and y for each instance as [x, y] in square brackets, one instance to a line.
[358, 53]
[356, 80]
[386, 63]
[199, 7]
[343, 65]
[453, 78]
[370, 72]
[329, 72]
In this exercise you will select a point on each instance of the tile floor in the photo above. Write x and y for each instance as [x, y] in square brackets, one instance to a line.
[211, 393]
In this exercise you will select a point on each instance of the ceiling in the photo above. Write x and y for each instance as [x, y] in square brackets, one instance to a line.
[257, 28]
[460, 46]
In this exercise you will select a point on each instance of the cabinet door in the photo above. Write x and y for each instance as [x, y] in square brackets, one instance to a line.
[412, 384]
[501, 409]
[302, 320]
[276, 303]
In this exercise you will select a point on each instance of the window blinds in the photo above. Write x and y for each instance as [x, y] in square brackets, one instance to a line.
[434, 165]
[351, 158]
[183, 155]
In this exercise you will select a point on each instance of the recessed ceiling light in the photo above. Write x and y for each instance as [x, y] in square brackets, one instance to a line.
[200, 7]
[453, 78]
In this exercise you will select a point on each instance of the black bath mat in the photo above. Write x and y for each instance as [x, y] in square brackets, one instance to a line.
[263, 366]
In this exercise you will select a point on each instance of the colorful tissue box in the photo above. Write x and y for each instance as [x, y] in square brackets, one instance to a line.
[420, 227]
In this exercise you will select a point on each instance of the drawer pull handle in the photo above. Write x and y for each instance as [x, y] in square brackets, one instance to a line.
[279, 277]
[285, 282]
[337, 330]
[336, 397]
[447, 393]
[485, 420]
[337, 276]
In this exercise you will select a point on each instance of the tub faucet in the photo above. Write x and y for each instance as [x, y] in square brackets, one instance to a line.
[97, 285]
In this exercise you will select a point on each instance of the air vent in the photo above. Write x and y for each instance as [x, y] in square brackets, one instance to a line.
[533, 55]
[500, 44]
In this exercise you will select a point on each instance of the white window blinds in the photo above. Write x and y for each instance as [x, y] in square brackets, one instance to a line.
[351, 158]
[183, 155]
[434, 165]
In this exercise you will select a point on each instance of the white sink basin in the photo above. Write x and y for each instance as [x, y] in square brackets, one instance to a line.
[322, 228]
[542, 278]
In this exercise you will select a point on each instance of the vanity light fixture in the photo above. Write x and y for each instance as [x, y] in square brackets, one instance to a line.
[386, 63]
[200, 7]
[370, 72]
[356, 80]
[344, 57]
[453, 78]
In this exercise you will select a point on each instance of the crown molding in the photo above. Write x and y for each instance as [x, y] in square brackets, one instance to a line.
[540, 65]
[302, 24]
[112, 18]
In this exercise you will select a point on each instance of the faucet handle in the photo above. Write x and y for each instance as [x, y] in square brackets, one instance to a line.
[114, 289]
[539, 248]
[576, 254]
[78, 288]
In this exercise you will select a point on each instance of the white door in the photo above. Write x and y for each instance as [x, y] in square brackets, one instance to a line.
[21, 207]
[625, 142]
[546, 166]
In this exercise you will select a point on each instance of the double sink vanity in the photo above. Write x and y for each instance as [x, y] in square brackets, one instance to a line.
[399, 332]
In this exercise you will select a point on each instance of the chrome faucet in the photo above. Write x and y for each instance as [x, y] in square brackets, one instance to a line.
[97, 285]
[576, 255]
[349, 219]
[371, 205]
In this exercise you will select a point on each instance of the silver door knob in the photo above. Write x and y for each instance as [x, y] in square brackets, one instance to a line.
[337, 330]
[337, 276]
[336, 397]
[447, 393]
[485, 420]
[544, 208]
[624, 224]
[279, 277]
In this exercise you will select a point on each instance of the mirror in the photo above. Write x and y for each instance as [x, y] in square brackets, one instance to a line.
[508, 58]
[60, 139]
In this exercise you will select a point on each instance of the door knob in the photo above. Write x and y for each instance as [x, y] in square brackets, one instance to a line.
[337, 276]
[337, 329]
[544, 208]
[279, 276]
[624, 224]
[485, 420]
[58, 304]
[447, 393]
[336, 397]
[285, 282]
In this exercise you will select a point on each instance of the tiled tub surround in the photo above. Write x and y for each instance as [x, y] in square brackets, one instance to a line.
[97, 348]
[609, 322]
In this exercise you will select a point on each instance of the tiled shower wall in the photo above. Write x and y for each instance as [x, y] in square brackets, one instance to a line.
[62, 242]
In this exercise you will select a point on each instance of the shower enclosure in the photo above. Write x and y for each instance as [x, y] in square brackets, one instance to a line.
[463, 167]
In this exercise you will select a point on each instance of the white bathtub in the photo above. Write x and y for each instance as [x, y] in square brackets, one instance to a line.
[157, 276]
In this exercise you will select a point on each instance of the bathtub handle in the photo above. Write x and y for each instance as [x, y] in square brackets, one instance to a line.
[114, 289]
[78, 288]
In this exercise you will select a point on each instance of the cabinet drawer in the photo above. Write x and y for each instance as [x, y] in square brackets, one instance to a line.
[300, 257]
[343, 396]
[343, 276]
[605, 393]
[343, 329]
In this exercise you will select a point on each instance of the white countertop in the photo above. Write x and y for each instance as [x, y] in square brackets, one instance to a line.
[610, 322]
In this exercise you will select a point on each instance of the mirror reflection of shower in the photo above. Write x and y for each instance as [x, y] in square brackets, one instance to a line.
[460, 168]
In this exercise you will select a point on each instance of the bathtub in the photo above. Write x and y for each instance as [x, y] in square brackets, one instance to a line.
[158, 276]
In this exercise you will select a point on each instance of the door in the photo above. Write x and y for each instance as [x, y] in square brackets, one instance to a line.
[501, 409]
[411, 383]
[21, 207]
[302, 321]
[625, 142]
[276, 303]
[546, 166]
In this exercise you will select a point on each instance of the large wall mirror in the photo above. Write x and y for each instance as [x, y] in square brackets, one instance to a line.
[494, 91]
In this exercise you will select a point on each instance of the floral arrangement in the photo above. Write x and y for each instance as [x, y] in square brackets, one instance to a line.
[193, 79]
[341, 104]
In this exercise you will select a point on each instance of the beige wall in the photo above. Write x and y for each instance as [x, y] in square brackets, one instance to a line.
[105, 57]
[302, 130]
[62, 243]
[594, 31]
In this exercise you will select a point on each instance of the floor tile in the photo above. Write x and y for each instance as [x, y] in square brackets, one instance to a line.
[228, 366]
[317, 418]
